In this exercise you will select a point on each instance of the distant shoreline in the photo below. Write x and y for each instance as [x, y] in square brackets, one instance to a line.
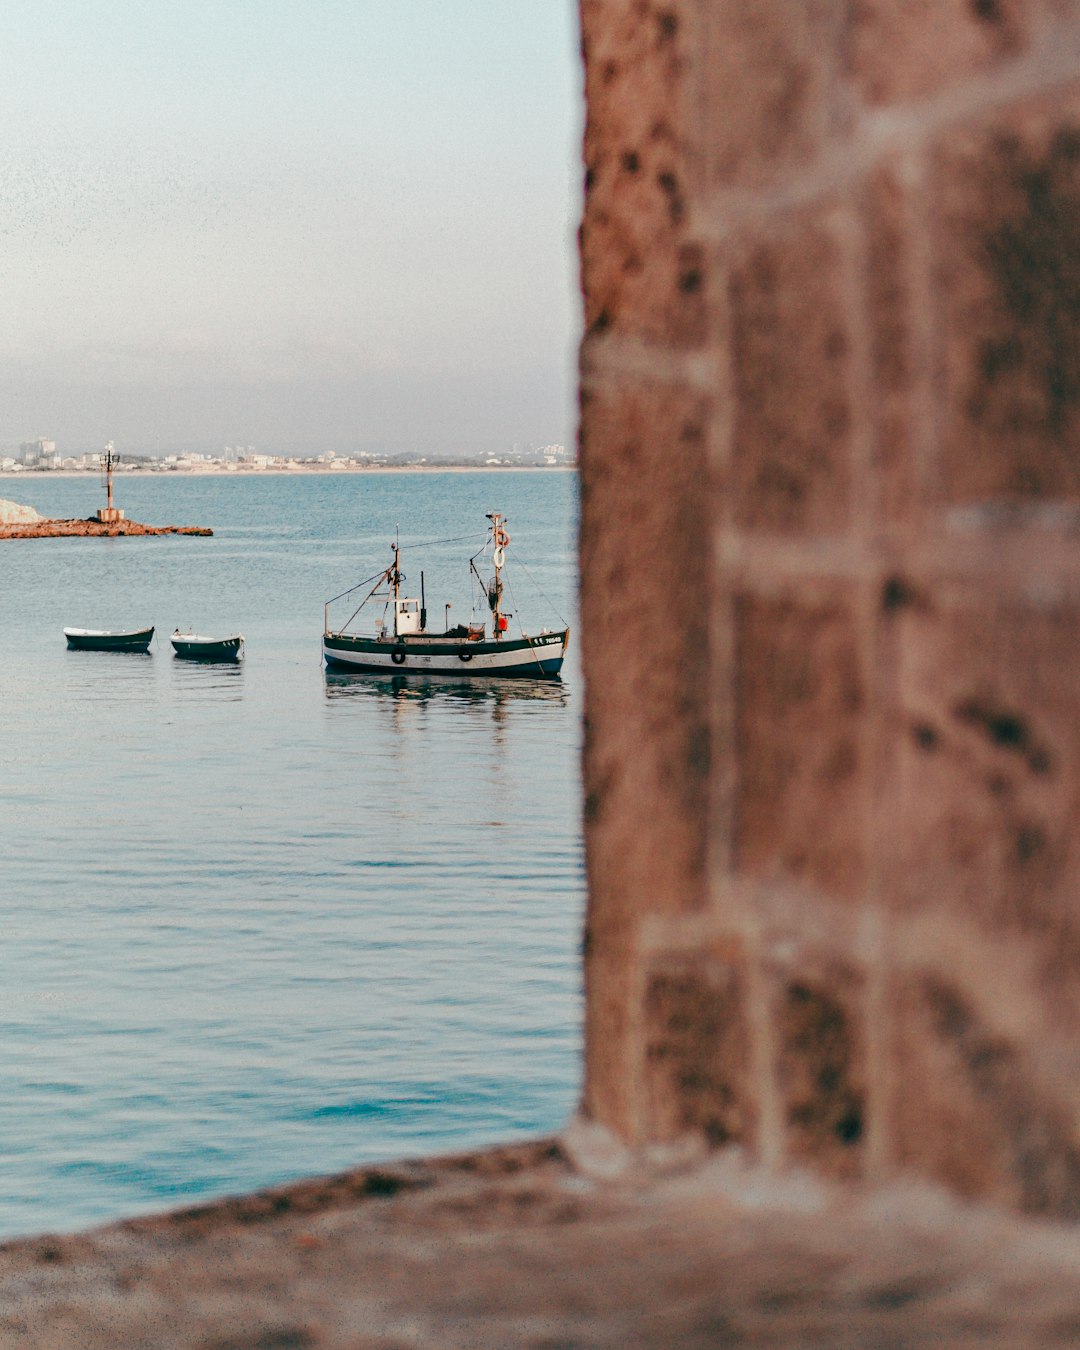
[214, 471]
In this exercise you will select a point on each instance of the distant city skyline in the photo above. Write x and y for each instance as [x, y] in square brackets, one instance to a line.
[310, 225]
[44, 456]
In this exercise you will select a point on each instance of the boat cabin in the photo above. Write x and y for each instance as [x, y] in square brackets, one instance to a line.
[407, 616]
[407, 619]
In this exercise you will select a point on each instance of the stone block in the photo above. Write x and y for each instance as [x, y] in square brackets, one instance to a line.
[818, 1015]
[644, 270]
[610, 1090]
[905, 49]
[987, 784]
[771, 96]
[698, 1076]
[790, 351]
[1005, 198]
[646, 548]
[641, 282]
[897, 366]
[800, 707]
[969, 1110]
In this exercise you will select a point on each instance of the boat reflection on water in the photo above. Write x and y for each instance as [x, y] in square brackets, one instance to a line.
[113, 677]
[492, 691]
[215, 680]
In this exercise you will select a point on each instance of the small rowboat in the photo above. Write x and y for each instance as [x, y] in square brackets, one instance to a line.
[109, 640]
[193, 647]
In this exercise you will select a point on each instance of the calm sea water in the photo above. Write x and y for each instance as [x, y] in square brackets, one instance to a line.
[257, 922]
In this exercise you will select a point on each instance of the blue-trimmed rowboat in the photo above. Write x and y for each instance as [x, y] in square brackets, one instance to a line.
[193, 647]
[403, 644]
[109, 640]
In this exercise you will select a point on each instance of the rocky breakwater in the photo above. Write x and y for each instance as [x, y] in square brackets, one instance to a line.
[23, 522]
[12, 513]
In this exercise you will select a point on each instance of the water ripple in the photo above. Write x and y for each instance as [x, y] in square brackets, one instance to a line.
[256, 921]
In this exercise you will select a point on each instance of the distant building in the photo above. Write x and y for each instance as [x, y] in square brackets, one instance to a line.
[41, 452]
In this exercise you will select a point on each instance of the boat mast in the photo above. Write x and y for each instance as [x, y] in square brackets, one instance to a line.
[395, 577]
[498, 535]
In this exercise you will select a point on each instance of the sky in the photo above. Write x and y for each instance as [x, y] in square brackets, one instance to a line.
[306, 225]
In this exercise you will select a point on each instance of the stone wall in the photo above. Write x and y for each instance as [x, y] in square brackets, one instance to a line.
[830, 451]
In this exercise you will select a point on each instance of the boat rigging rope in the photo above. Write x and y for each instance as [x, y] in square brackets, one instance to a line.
[430, 543]
[519, 563]
[513, 601]
[426, 543]
[479, 585]
[521, 629]
[376, 576]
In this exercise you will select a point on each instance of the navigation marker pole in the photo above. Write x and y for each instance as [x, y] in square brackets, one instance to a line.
[109, 513]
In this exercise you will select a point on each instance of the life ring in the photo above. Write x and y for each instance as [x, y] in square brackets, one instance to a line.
[501, 538]
[498, 557]
[465, 656]
[398, 657]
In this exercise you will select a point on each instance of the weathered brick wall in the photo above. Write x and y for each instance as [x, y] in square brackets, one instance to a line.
[830, 451]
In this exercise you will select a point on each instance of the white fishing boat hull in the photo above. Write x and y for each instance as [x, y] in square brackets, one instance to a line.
[535, 657]
[402, 643]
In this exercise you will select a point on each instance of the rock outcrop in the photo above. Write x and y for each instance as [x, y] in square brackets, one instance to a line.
[41, 528]
[13, 513]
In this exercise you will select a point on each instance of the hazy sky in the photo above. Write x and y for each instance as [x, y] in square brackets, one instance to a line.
[301, 224]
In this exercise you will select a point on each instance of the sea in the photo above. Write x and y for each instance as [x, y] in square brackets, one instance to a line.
[258, 922]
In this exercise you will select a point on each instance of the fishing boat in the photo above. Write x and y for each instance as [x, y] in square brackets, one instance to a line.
[402, 643]
[195, 647]
[109, 640]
